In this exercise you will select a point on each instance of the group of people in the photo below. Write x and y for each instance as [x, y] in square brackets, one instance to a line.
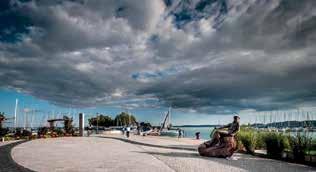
[223, 143]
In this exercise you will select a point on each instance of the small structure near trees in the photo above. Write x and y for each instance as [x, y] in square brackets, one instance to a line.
[68, 127]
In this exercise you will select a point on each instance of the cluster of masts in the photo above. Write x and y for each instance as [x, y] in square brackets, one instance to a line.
[28, 118]
[281, 116]
[292, 120]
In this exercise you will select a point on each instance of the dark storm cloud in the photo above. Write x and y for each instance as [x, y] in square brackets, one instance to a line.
[239, 88]
[254, 54]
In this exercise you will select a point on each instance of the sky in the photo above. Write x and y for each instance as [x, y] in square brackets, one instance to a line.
[207, 59]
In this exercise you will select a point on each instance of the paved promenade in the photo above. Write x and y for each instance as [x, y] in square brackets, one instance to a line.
[7, 164]
[142, 154]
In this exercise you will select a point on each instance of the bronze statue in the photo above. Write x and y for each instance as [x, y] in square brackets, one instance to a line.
[223, 143]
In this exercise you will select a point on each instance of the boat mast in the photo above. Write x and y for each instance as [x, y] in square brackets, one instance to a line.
[164, 121]
[169, 117]
[15, 113]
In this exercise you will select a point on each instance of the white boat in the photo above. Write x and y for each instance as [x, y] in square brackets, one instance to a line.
[144, 133]
[165, 129]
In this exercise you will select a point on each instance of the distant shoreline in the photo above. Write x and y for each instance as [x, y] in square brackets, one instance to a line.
[196, 126]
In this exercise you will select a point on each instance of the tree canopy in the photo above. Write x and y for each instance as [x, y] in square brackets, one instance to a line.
[68, 124]
[121, 119]
[101, 120]
[124, 119]
[2, 118]
[3, 131]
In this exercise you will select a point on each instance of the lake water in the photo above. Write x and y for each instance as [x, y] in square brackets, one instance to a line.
[205, 132]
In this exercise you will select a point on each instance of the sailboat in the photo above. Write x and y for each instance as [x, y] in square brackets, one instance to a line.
[165, 129]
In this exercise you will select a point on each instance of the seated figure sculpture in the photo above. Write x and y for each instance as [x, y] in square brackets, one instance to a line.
[223, 143]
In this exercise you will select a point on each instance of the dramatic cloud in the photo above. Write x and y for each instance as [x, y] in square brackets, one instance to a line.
[215, 56]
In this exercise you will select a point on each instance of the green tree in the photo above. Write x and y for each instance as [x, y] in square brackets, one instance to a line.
[68, 125]
[101, 120]
[3, 131]
[2, 118]
[124, 119]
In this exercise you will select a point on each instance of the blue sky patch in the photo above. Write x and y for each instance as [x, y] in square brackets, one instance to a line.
[13, 24]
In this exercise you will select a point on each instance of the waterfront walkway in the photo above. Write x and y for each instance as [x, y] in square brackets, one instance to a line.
[116, 153]
[7, 164]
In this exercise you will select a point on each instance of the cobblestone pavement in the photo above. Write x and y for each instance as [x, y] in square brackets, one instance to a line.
[7, 164]
[187, 158]
[85, 154]
[114, 154]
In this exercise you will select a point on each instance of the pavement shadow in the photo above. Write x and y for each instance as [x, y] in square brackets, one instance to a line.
[246, 162]
[177, 147]
[173, 154]
[7, 164]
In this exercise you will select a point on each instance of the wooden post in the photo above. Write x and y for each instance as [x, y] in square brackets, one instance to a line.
[81, 124]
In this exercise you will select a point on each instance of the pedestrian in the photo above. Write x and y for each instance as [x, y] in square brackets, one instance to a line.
[197, 135]
[179, 133]
[127, 131]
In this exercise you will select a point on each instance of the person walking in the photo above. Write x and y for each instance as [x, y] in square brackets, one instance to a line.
[128, 129]
[179, 133]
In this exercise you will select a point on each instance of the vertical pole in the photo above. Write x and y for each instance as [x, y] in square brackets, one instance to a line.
[15, 113]
[81, 124]
[97, 123]
[24, 119]
[169, 117]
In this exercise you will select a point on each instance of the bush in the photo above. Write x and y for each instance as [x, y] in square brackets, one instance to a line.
[300, 144]
[9, 137]
[22, 134]
[276, 143]
[42, 131]
[248, 140]
[3, 131]
[26, 133]
[58, 131]
[313, 145]
[260, 144]
[18, 133]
